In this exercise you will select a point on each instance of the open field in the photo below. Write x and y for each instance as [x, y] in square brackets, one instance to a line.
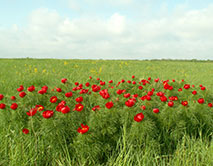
[176, 135]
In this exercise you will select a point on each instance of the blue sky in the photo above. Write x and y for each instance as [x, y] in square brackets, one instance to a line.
[106, 29]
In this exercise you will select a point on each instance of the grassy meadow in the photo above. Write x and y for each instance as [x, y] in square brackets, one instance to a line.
[176, 136]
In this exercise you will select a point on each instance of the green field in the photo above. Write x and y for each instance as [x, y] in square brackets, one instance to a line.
[176, 136]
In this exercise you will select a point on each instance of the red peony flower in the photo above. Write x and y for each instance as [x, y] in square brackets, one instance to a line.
[180, 89]
[47, 114]
[87, 84]
[129, 103]
[78, 107]
[79, 99]
[13, 98]
[58, 89]
[22, 94]
[21, 88]
[110, 81]
[210, 105]
[64, 80]
[2, 106]
[83, 129]
[14, 106]
[109, 104]
[163, 98]
[186, 86]
[143, 107]
[156, 80]
[155, 110]
[32, 112]
[170, 103]
[139, 117]
[53, 99]
[31, 88]
[25, 131]
[194, 92]
[140, 87]
[97, 107]
[184, 103]
[203, 88]
[1, 96]
[200, 100]
[42, 91]
[39, 107]
[65, 109]
[68, 94]
[127, 95]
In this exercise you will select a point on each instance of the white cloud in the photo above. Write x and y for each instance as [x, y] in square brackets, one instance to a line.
[185, 35]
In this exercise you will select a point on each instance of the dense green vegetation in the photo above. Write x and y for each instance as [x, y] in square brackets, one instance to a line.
[175, 136]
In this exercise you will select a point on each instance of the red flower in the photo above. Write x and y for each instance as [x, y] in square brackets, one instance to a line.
[127, 95]
[143, 107]
[133, 76]
[58, 89]
[133, 82]
[65, 109]
[194, 92]
[87, 84]
[180, 89]
[163, 98]
[22, 94]
[14, 106]
[170, 103]
[79, 99]
[79, 107]
[200, 100]
[31, 88]
[39, 107]
[186, 86]
[64, 80]
[32, 112]
[2, 106]
[21, 88]
[129, 103]
[203, 88]
[68, 94]
[47, 114]
[184, 103]
[53, 99]
[109, 104]
[13, 98]
[139, 117]
[25, 131]
[97, 107]
[1, 96]
[45, 87]
[156, 80]
[140, 87]
[210, 104]
[83, 129]
[155, 110]
[42, 91]
[110, 81]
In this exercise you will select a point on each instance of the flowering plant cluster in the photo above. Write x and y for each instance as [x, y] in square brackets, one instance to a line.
[95, 94]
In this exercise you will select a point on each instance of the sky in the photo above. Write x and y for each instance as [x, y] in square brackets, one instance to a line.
[106, 29]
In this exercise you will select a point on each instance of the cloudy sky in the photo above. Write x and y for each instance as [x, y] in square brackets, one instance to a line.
[106, 29]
